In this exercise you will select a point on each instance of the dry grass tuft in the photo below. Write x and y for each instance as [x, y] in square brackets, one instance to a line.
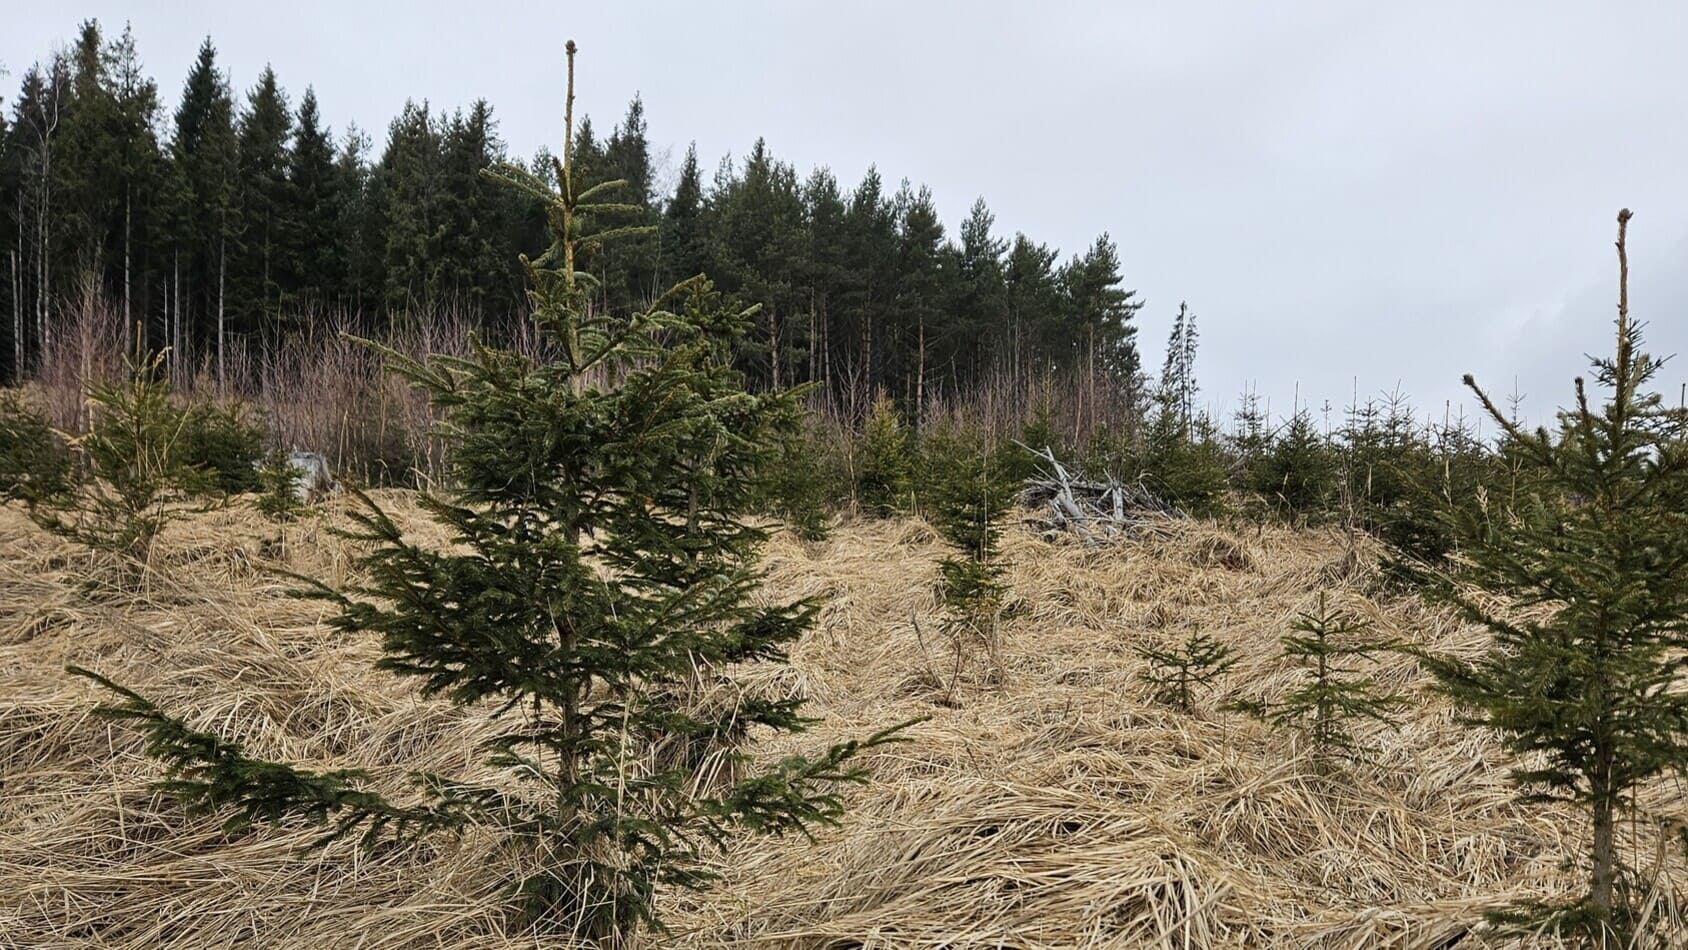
[1056, 809]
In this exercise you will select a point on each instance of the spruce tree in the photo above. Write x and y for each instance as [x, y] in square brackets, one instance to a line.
[202, 193]
[90, 190]
[884, 462]
[629, 266]
[134, 474]
[1177, 673]
[468, 269]
[1298, 471]
[1183, 462]
[263, 201]
[807, 483]
[1250, 437]
[601, 557]
[317, 252]
[1333, 695]
[970, 497]
[360, 205]
[34, 462]
[404, 224]
[1584, 585]
[977, 311]
[278, 479]
[682, 232]
[140, 168]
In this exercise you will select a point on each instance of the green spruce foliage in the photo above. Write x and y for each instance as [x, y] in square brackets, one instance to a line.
[34, 463]
[884, 463]
[807, 484]
[1176, 674]
[1185, 466]
[601, 559]
[1583, 581]
[1298, 471]
[1019, 462]
[278, 497]
[1183, 462]
[969, 499]
[225, 444]
[1334, 694]
[133, 472]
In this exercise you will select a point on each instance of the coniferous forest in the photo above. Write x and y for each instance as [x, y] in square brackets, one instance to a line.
[406, 543]
[226, 219]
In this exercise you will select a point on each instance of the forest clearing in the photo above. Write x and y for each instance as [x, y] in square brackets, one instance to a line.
[1060, 808]
[461, 549]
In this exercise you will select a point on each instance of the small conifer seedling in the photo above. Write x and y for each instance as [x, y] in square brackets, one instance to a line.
[1334, 695]
[970, 499]
[34, 461]
[1177, 674]
[884, 463]
[133, 473]
[278, 480]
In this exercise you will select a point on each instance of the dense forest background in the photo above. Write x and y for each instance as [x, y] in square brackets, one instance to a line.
[226, 222]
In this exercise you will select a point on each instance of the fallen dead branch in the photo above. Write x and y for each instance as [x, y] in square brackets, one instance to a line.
[1091, 509]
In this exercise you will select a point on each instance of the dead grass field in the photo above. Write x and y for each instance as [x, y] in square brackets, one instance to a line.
[1057, 809]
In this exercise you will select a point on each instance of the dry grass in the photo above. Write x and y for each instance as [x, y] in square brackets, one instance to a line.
[1057, 809]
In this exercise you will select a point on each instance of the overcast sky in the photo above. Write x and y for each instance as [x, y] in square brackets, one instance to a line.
[1347, 194]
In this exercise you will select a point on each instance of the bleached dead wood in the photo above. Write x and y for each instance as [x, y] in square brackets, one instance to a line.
[1092, 509]
[313, 480]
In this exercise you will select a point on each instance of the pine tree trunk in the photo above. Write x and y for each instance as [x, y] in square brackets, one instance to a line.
[169, 326]
[17, 298]
[222, 331]
[17, 319]
[42, 270]
[774, 346]
[1090, 395]
[867, 352]
[179, 341]
[128, 325]
[1014, 359]
[826, 353]
[920, 375]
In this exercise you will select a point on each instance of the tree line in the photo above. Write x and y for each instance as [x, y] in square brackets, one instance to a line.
[235, 221]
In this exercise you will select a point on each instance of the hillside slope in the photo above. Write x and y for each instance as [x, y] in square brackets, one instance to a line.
[1055, 808]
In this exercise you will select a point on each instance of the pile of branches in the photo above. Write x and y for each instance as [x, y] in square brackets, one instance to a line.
[1066, 502]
